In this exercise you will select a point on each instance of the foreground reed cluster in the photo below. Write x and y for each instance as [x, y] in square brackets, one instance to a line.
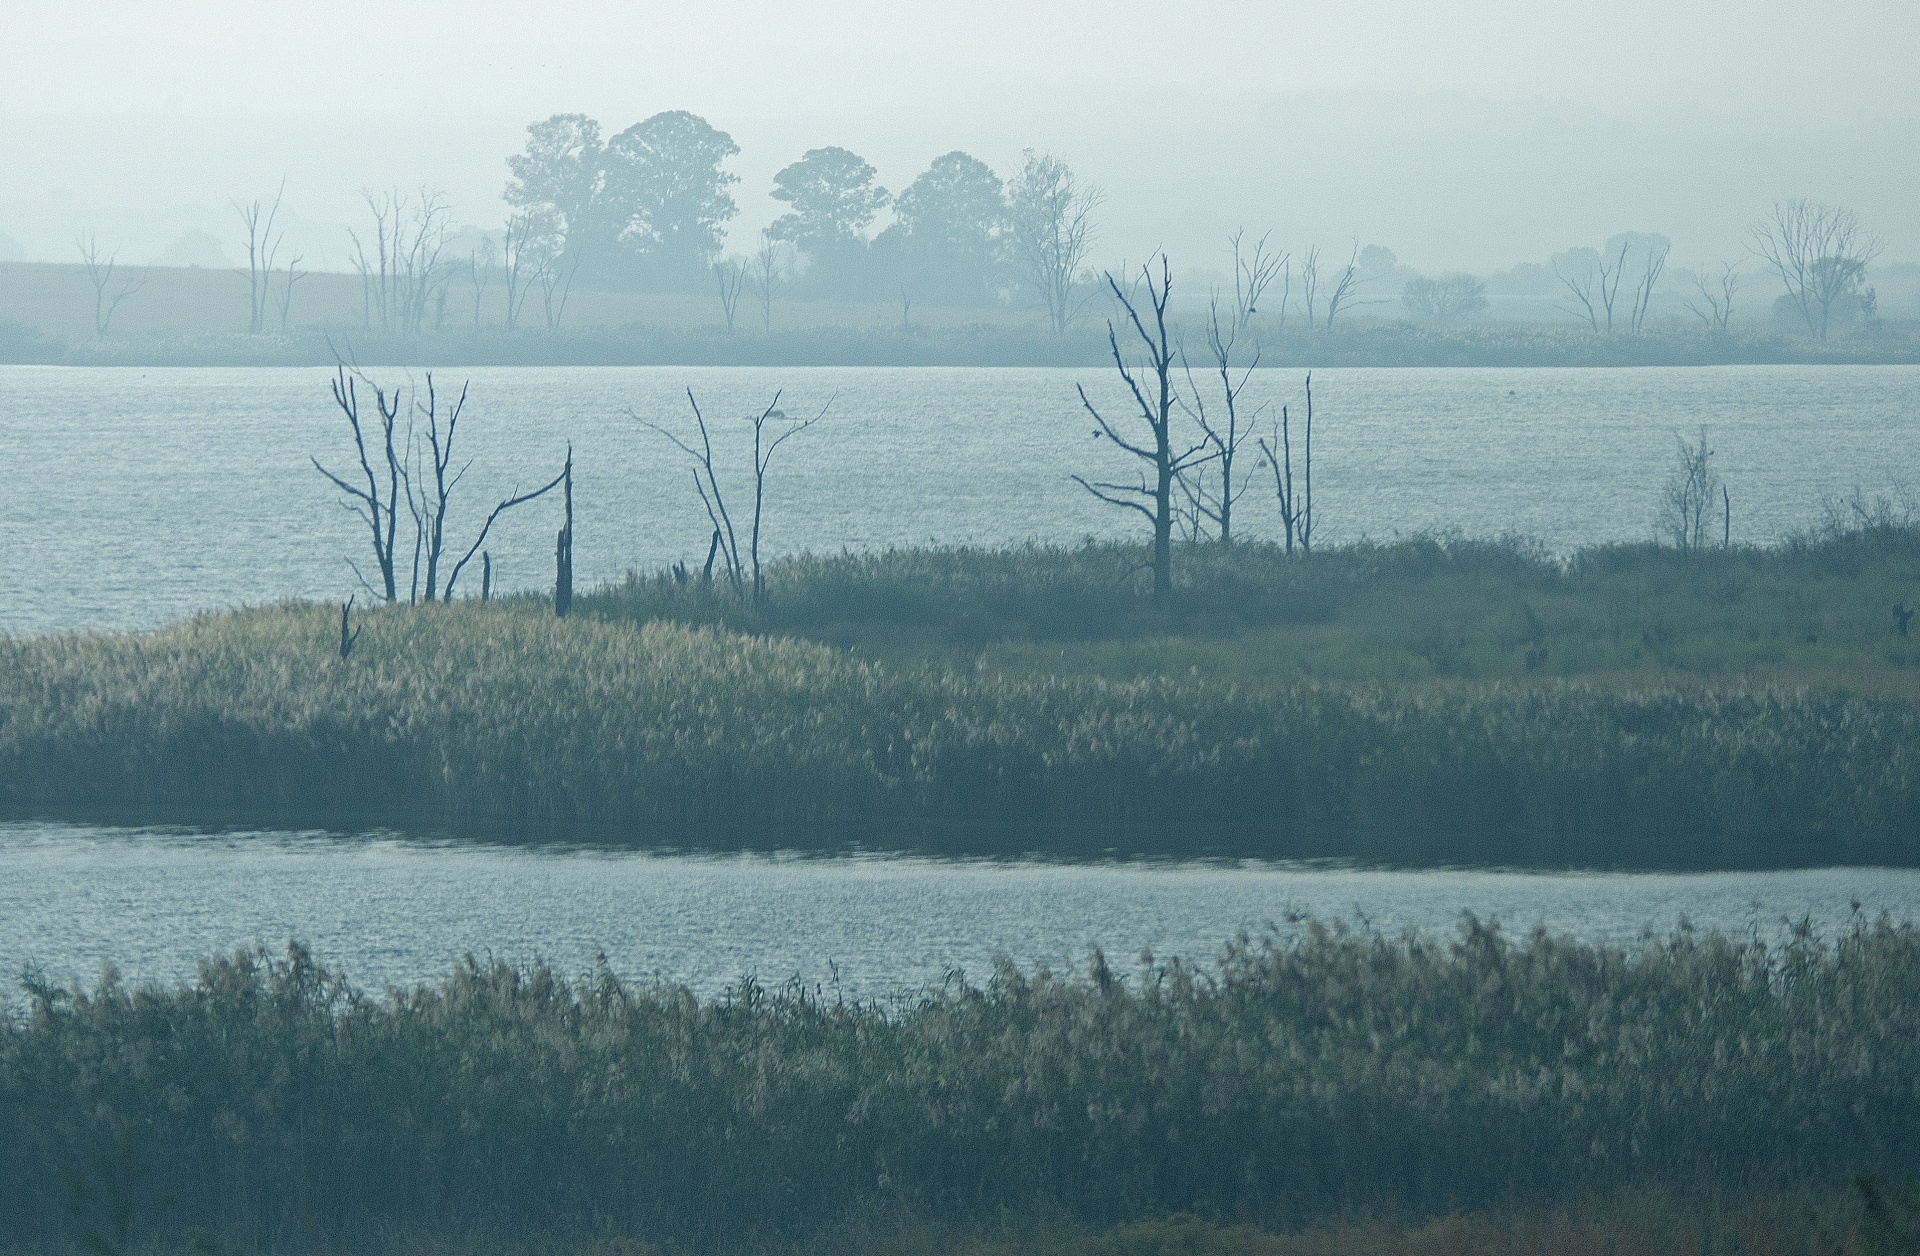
[1323, 1074]
[475, 715]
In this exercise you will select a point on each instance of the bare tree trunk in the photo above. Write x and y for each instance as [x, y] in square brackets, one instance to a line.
[1345, 286]
[263, 242]
[1306, 513]
[401, 279]
[731, 277]
[1654, 263]
[761, 461]
[294, 276]
[348, 639]
[1310, 284]
[743, 571]
[378, 508]
[1282, 464]
[513, 266]
[768, 278]
[1714, 306]
[1226, 438]
[106, 296]
[1252, 274]
[1051, 214]
[1155, 400]
[563, 551]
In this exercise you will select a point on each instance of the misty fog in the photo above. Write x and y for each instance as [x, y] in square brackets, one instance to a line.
[1459, 137]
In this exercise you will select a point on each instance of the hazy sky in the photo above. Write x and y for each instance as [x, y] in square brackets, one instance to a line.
[1463, 132]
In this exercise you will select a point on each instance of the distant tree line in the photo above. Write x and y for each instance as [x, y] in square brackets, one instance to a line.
[649, 209]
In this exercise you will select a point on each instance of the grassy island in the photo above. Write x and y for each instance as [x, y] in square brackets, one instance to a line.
[1423, 702]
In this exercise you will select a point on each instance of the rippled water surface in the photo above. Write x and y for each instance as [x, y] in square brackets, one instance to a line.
[393, 911]
[132, 496]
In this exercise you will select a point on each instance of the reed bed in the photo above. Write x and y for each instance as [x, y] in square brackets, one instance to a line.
[1434, 607]
[1298, 1081]
[473, 716]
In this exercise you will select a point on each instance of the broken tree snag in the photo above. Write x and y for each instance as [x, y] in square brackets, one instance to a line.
[347, 638]
[516, 500]
[1306, 506]
[563, 549]
[486, 576]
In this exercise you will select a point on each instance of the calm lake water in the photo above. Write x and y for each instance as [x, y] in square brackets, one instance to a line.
[129, 496]
[392, 911]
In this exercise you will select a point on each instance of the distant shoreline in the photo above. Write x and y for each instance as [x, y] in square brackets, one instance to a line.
[981, 346]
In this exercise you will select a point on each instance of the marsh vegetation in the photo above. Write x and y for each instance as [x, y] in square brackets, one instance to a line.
[1329, 1074]
[1412, 703]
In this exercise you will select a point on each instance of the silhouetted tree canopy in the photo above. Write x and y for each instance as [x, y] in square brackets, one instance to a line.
[665, 187]
[558, 182]
[834, 198]
[946, 240]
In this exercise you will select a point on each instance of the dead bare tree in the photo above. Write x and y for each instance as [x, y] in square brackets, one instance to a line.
[1310, 284]
[1296, 505]
[430, 512]
[406, 276]
[391, 476]
[563, 550]
[731, 276]
[1653, 261]
[1346, 286]
[1820, 254]
[1595, 287]
[520, 236]
[376, 505]
[348, 639]
[771, 429]
[1224, 433]
[769, 276]
[1051, 214]
[293, 276]
[555, 277]
[263, 244]
[482, 261]
[765, 441]
[1152, 388]
[1253, 274]
[1688, 497]
[107, 295]
[706, 482]
[1714, 304]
